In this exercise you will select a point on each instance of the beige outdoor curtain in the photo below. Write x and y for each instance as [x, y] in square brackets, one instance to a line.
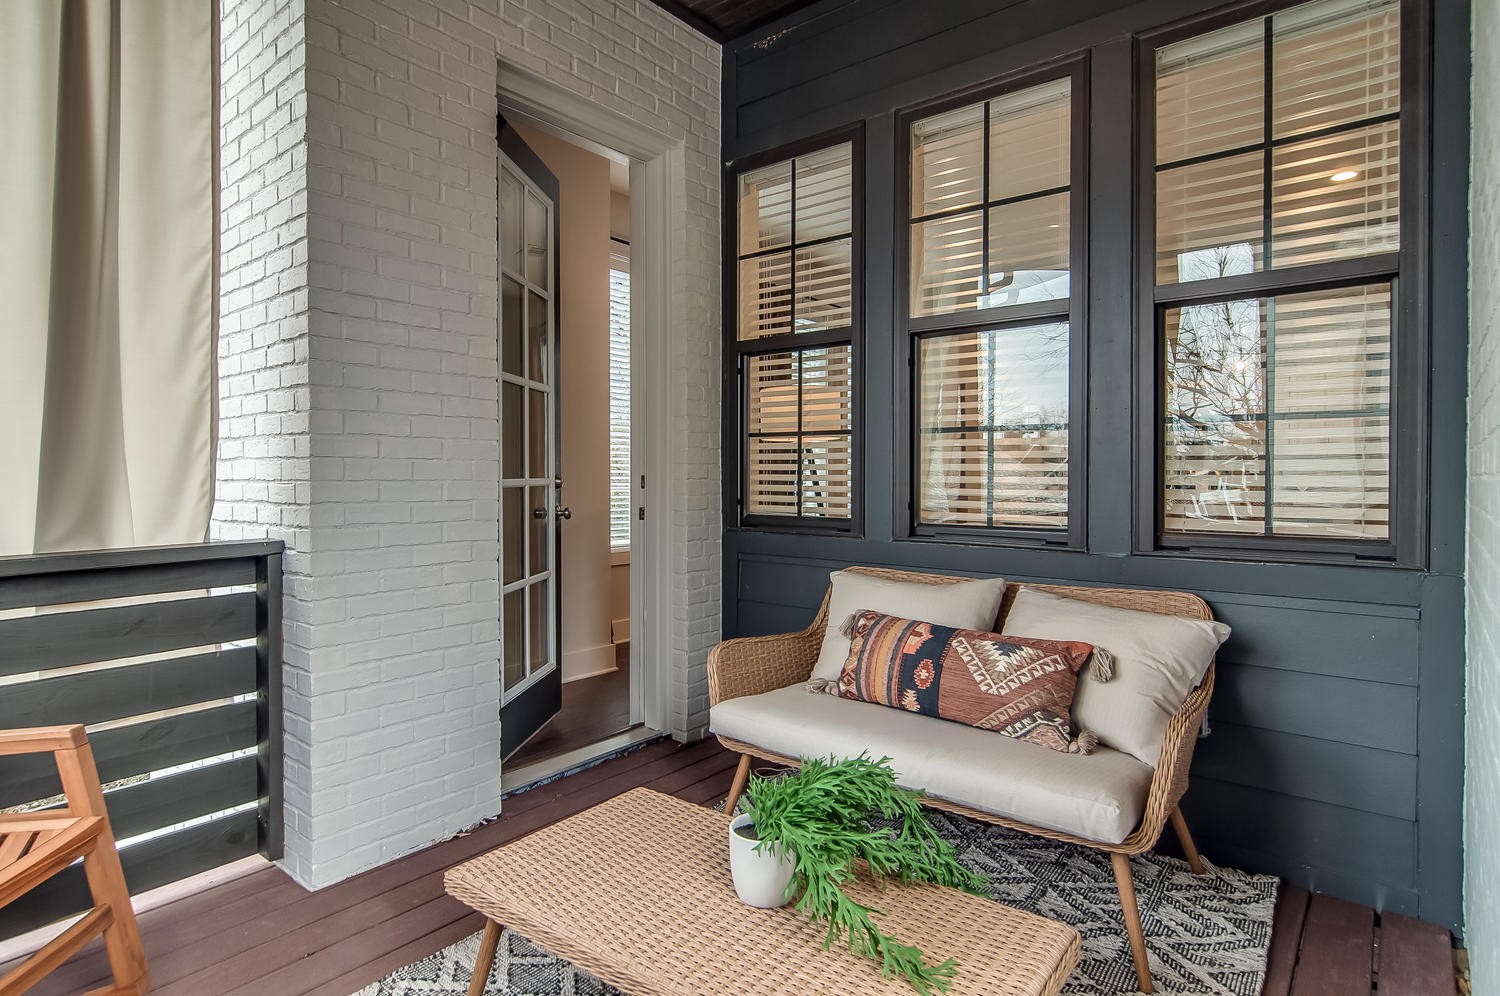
[107, 290]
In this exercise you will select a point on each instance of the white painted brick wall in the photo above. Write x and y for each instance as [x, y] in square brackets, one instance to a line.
[263, 483]
[1482, 774]
[373, 447]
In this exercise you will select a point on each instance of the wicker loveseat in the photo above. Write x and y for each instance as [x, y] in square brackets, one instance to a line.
[770, 666]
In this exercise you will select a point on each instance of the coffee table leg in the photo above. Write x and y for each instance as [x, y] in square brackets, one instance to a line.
[486, 959]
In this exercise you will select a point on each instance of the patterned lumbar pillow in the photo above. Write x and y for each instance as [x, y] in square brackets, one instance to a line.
[1020, 687]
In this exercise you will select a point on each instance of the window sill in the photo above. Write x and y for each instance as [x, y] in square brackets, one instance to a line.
[619, 558]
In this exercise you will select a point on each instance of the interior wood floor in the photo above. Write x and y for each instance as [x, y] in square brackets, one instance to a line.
[264, 934]
[592, 709]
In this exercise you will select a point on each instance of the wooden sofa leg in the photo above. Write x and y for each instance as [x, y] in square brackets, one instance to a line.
[1194, 859]
[1126, 885]
[741, 776]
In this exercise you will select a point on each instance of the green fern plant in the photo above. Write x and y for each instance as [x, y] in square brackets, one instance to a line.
[823, 814]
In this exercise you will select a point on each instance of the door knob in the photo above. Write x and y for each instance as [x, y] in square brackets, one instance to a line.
[564, 512]
[539, 513]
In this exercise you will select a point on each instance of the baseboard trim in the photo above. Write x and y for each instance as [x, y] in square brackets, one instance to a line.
[588, 662]
[620, 631]
[591, 674]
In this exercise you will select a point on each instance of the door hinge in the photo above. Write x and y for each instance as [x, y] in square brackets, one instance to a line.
[640, 513]
[643, 482]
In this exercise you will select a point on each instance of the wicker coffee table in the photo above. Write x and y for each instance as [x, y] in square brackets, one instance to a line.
[637, 891]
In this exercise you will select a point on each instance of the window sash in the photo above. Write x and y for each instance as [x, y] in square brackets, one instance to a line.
[803, 474]
[1055, 298]
[1402, 267]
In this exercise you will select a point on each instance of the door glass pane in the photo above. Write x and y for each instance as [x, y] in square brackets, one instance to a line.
[1028, 252]
[513, 535]
[539, 556]
[1210, 93]
[766, 295]
[947, 161]
[512, 431]
[536, 433]
[539, 630]
[1029, 140]
[1210, 219]
[538, 245]
[512, 247]
[823, 286]
[1336, 197]
[510, 326]
[538, 345]
[993, 409]
[513, 628]
[1335, 62]
[946, 258]
[766, 208]
[823, 194]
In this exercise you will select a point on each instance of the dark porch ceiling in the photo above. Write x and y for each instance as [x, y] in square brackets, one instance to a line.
[726, 20]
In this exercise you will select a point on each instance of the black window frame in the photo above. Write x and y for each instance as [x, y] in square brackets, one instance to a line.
[910, 331]
[737, 352]
[1407, 271]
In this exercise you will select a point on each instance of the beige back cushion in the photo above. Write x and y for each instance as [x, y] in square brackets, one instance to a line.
[965, 604]
[1159, 660]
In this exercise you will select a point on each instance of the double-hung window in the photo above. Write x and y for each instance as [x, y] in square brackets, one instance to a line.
[995, 230]
[1281, 282]
[796, 270]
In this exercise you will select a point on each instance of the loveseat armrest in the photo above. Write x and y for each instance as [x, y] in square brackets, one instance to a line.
[1170, 783]
[755, 664]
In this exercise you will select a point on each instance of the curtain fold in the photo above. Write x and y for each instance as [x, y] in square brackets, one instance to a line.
[107, 200]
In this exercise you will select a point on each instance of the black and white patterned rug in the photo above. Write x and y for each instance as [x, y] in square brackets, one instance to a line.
[1207, 934]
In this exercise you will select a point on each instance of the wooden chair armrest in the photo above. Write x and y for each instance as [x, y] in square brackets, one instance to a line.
[756, 664]
[42, 740]
[1170, 782]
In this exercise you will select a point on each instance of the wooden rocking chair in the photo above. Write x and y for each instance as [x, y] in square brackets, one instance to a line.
[36, 846]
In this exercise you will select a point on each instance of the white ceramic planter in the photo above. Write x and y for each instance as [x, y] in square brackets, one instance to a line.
[760, 878]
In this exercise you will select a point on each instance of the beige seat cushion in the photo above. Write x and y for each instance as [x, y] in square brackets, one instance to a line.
[1100, 796]
[963, 605]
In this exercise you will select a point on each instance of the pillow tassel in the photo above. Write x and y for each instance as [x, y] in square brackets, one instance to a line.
[1101, 664]
[846, 628]
[819, 686]
[1084, 744]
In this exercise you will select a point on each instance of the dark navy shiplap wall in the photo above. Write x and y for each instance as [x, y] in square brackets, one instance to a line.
[1336, 753]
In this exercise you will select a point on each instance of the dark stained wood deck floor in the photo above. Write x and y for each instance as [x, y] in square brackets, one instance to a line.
[264, 934]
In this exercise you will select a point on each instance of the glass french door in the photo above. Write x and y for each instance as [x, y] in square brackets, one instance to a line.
[530, 485]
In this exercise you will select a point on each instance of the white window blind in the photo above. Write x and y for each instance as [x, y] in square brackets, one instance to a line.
[991, 296]
[1278, 147]
[619, 396]
[795, 271]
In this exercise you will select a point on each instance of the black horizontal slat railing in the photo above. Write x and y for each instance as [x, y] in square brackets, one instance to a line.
[172, 657]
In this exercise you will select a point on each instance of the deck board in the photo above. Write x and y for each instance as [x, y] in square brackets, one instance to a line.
[263, 933]
[1415, 958]
[1337, 952]
[1286, 939]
